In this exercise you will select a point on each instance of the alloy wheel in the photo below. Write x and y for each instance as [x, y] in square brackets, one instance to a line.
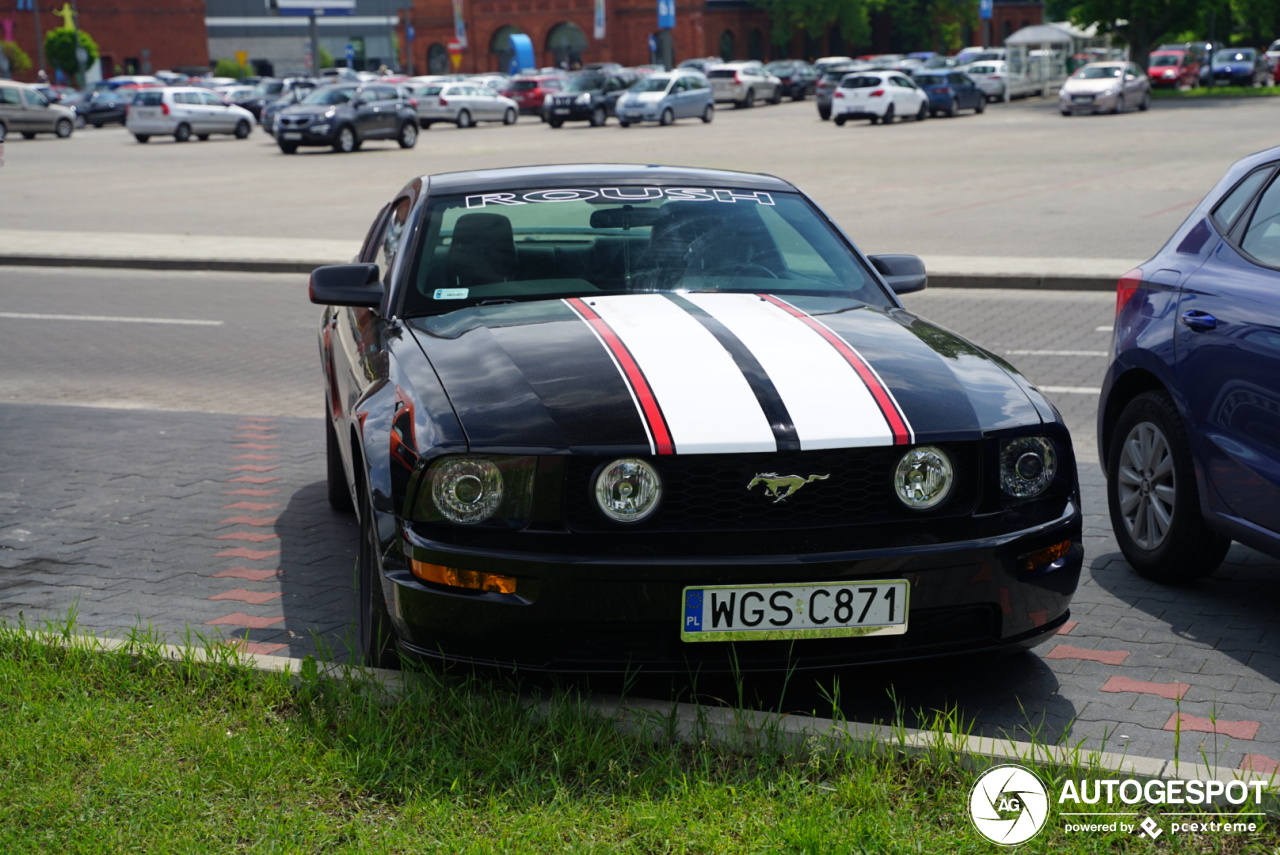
[1147, 485]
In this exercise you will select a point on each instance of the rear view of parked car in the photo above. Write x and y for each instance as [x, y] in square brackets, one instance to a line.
[744, 83]
[183, 112]
[824, 89]
[798, 77]
[530, 91]
[879, 96]
[665, 97]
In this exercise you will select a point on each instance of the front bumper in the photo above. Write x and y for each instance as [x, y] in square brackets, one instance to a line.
[1088, 103]
[571, 112]
[575, 613]
[305, 136]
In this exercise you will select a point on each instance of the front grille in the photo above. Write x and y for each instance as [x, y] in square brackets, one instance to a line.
[293, 122]
[709, 492]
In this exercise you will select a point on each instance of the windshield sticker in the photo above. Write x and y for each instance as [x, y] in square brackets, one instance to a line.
[621, 194]
[452, 293]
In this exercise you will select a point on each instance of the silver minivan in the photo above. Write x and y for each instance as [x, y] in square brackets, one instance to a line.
[665, 97]
[25, 111]
[184, 111]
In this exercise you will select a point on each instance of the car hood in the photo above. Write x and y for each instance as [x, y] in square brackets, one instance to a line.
[644, 97]
[714, 373]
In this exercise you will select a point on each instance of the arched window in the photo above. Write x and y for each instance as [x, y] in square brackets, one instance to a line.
[438, 59]
[728, 46]
[500, 46]
[566, 43]
[755, 45]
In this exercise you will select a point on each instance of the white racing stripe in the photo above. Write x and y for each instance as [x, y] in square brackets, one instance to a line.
[32, 316]
[717, 414]
[829, 404]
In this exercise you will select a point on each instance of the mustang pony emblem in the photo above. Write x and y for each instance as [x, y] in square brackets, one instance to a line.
[782, 486]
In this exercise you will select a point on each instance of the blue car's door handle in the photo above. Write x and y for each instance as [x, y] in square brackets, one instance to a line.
[1199, 321]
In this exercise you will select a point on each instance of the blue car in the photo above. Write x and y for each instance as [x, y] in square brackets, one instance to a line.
[950, 91]
[1189, 418]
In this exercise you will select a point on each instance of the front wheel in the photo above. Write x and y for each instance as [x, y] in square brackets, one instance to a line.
[1152, 495]
[376, 637]
[510, 116]
[1146, 103]
[824, 113]
[408, 136]
[242, 129]
[1119, 107]
[80, 122]
[981, 106]
[63, 128]
[623, 124]
[289, 148]
[598, 117]
[556, 123]
[923, 112]
[202, 137]
[708, 113]
[142, 137]
[668, 116]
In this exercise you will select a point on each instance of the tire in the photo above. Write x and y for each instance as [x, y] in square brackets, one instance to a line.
[242, 130]
[952, 108]
[338, 491]
[1146, 103]
[182, 133]
[598, 117]
[464, 119]
[63, 128]
[555, 123]
[1153, 498]
[202, 137]
[923, 113]
[623, 124]
[748, 101]
[80, 122]
[824, 113]
[777, 96]
[346, 141]
[408, 136]
[1066, 112]
[142, 137]
[799, 96]
[668, 117]
[840, 120]
[981, 107]
[708, 113]
[1119, 107]
[510, 116]
[373, 625]
[887, 118]
[289, 148]
[28, 135]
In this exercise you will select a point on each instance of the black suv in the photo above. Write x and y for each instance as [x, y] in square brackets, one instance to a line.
[588, 97]
[344, 115]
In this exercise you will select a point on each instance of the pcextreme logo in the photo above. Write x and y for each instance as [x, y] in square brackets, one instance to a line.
[1009, 805]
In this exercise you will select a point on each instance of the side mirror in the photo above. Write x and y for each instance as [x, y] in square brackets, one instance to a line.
[904, 273]
[357, 285]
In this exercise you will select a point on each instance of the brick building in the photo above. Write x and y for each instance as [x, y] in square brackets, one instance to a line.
[138, 36]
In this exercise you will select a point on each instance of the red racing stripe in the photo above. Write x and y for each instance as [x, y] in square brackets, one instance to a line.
[649, 408]
[893, 415]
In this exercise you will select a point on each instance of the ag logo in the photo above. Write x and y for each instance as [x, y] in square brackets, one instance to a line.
[1008, 805]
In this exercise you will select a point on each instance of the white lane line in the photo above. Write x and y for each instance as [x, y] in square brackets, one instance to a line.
[1058, 353]
[1107, 328]
[1071, 390]
[32, 316]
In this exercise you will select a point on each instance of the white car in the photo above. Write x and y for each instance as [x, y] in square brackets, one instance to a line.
[744, 83]
[994, 78]
[463, 104]
[1105, 87]
[880, 96]
[184, 111]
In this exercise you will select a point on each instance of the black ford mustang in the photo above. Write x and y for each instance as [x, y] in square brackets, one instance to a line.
[604, 418]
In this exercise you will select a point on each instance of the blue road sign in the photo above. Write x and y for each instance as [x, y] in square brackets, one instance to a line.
[984, 9]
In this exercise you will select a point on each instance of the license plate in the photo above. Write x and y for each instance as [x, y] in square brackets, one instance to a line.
[291, 135]
[1083, 99]
[811, 610]
[561, 111]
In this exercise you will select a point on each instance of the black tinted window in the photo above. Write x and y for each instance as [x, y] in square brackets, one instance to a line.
[1228, 210]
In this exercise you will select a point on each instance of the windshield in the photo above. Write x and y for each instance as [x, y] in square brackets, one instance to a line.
[1233, 55]
[1099, 73]
[329, 95]
[269, 88]
[586, 83]
[1162, 61]
[931, 79]
[651, 84]
[548, 244]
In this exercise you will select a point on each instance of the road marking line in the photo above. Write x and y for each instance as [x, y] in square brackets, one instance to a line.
[33, 316]
[1107, 328]
[1071, 390]
[1058, 353]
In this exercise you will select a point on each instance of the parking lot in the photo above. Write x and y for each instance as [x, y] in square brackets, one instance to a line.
[163, 466]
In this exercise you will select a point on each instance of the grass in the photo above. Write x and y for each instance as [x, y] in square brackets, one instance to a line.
[1215, 92]
[128, 751]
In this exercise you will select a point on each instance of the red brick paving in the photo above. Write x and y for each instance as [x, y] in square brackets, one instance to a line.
[258, 446]
[249, 621]
[1260, 763]
[250, 506]
[1171, 691]
[248, 536]
[248, 554]
[247, 574]
[252, 467]
[1068, 626]
[1234, 729]
[243, 520]
[251, 479]
[1108, 657]
[247, 491]
[252, 456]
[257, 598]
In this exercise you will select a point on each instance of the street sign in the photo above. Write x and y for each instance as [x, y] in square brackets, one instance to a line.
[409, 33]
[351, 56]
[316, 8]
[455, 53]
[666, 14]
[984, 9]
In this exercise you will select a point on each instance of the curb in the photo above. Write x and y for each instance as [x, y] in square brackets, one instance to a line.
[692, 724]
[1015, 281]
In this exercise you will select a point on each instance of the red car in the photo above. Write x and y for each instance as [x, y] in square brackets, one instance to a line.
[530, 90]
[1173, 68]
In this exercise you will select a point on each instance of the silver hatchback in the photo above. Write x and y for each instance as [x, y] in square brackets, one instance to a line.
[463, 104]
[183, 112]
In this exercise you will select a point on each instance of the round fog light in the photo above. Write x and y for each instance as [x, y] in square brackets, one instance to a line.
[628, 490]
[924, 477]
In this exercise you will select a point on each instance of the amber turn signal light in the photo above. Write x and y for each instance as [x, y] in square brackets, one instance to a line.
[470, 579]
[1043, 557]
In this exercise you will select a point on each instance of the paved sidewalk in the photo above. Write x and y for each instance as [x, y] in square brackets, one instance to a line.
[300, 255]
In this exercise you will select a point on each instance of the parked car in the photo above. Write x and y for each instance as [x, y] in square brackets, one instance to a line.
[1105, 87]
[950, 91]
[183, 112]
[997, 80]
[271, 89]
[25, 111]
[1238, 67]
[530, 91]
[798, 77]
[743, 83]
[463, 104]
[344, 115]
[1187, 420]
[813, 477]
[880, 96]
[824, 89]
[101, 108]
[290, 97]
[701, 63]
[590, 96]
[666, 96]
[1172, 68]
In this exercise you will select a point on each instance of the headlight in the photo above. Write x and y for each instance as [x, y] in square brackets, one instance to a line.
[924, 477]
[628, 490]
[584, 98]
[472, 490]
[1027, 466]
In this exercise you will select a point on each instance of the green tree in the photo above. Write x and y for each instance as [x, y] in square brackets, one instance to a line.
[60, 49]
[19, 62]
[1141, 24]
[230, 68]
[813, 17]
